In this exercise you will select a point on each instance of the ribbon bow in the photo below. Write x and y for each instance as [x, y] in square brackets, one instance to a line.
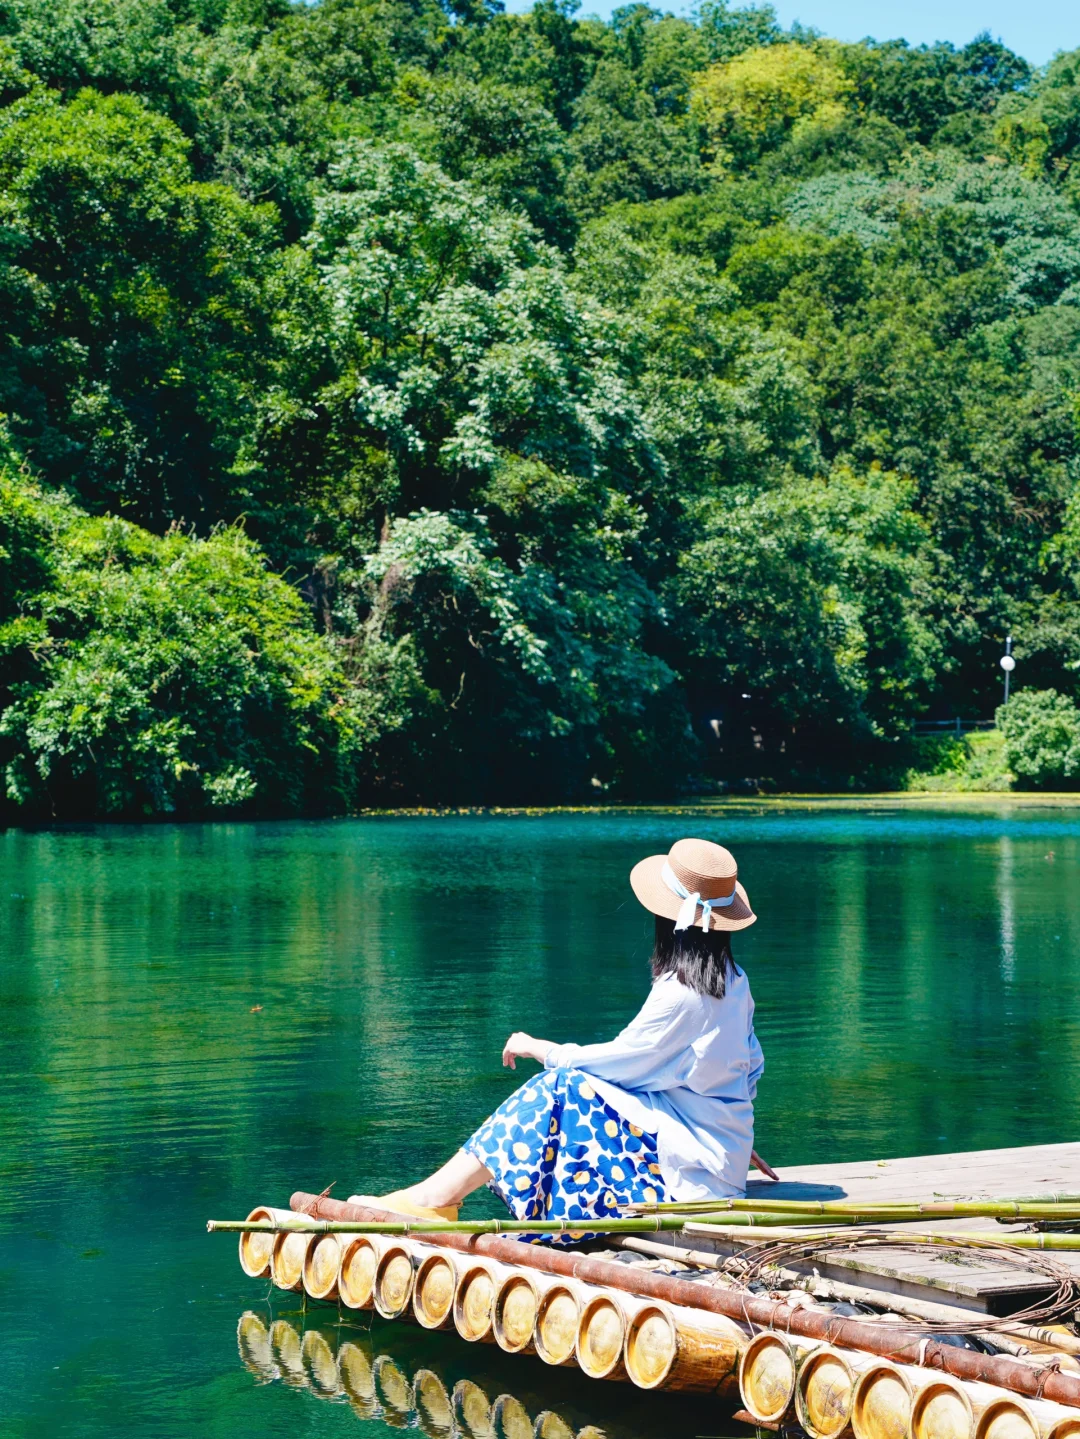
[690, 901]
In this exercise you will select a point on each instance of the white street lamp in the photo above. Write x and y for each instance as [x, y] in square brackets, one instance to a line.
[1008, 664]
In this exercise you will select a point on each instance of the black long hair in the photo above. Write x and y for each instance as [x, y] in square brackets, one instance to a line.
[698, 958]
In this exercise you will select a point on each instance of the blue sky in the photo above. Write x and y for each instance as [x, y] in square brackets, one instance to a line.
[1035, 29]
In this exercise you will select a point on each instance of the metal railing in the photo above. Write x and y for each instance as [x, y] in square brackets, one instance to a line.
[955, 726]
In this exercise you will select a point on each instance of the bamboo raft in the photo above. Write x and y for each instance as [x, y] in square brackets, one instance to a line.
[615, 1318]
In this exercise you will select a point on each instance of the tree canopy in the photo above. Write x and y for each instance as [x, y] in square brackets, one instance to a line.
[409, 401]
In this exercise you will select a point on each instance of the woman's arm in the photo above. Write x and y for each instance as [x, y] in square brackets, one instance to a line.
[662, 1029]
[522, 1046]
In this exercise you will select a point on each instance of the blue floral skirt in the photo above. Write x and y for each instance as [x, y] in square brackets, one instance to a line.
[557, 1151]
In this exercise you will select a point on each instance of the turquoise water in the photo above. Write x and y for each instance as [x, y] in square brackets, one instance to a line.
[198, 1018]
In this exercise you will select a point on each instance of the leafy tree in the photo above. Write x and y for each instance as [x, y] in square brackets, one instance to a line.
[142, 675]
[754, 102]
[1042, 738]
[135, 308]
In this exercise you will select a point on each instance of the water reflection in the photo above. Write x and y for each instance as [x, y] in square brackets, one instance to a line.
[411, 1378]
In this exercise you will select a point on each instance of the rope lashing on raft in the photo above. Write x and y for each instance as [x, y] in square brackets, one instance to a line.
[691, 900]
[1056, 1308]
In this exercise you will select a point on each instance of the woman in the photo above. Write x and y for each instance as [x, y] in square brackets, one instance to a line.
[663, 1111]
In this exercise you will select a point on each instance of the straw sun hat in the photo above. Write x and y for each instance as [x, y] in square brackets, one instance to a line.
[695, 883]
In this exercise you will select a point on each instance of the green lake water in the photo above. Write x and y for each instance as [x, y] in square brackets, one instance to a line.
[194, 1019]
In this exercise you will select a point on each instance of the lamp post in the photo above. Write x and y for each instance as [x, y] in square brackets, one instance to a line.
[1008, 664]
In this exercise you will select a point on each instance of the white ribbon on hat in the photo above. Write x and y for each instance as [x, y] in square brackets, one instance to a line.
[690, 901]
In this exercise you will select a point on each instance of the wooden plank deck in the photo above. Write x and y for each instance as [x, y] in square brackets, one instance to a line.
[977, 1283]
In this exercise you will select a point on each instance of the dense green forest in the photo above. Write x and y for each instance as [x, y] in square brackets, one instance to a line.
[411, 402]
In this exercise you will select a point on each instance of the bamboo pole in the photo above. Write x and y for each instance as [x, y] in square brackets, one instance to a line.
[824, 1387]
[395, 1275]
[474, 1300]
[881, 1402]
[287, 1259]
[942, 1410]
[356, 1275]
[886, 1341]
[682, 1349]
[938, 1208]
[257, 1245]
[956, 1238]
[322, 1264]
[767, 1370]
[433, 1291]
[557, 1318]
[601, 1335]
[513, 1319]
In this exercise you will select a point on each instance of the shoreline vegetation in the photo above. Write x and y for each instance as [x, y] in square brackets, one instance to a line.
[404, 403]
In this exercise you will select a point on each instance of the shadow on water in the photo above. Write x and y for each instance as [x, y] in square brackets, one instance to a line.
[412, 1378]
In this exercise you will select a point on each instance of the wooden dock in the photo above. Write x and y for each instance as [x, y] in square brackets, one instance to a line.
[978, 1283]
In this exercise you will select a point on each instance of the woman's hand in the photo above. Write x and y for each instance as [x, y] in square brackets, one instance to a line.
[759, 1163]
[522, 1046]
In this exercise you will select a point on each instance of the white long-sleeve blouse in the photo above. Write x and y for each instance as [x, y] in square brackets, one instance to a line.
[685, 1069]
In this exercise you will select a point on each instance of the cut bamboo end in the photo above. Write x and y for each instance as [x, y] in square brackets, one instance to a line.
[433, 1292]
[432, 1403]
[1006, 1417]
[256, 1249]
[510, 1419]
[358, 1380]
[356, 1277]
[1067, 1427]
[513, 1319]
[767, 1373]
[824, 1387]
[668, 1348]
[881, 1404]
[474, 1303]
[322, 1264]
[253, 1342]
[320, 1365]
[555, 1335]
[472, 1410]
[393, 1390]
[942, 1410]
[285, 1343]
[601, 1338]
[287, 1260]
[395, 1275]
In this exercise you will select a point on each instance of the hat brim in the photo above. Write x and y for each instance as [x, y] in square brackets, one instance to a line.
[647, 882]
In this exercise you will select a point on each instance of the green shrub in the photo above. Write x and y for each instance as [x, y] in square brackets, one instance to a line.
[1042, 739]
[144, 675]
[969, 763]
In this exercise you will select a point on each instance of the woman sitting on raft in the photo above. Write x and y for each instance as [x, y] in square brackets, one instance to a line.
[664, 1111]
